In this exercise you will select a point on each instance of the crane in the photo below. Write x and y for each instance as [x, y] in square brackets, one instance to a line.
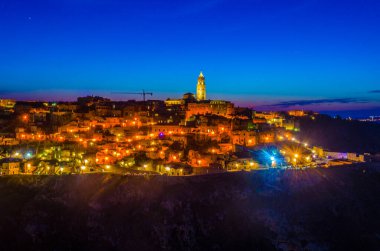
[143, 93]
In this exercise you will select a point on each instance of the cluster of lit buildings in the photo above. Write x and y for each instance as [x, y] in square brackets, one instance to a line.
[174, 137]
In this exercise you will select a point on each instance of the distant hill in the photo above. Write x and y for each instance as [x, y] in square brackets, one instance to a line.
[316, 209]
[338, 134]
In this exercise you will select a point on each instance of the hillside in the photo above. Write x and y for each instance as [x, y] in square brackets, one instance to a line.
[317, 209]
[340, 135]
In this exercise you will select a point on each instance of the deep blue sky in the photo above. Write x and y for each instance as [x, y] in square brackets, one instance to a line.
[323, 53]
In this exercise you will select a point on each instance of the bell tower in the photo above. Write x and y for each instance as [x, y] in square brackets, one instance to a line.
[201, 88]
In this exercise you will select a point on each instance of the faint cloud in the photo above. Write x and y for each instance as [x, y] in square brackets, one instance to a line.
[320, 101]
[374, 91]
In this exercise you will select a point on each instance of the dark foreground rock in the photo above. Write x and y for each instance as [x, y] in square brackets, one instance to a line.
[320, 209]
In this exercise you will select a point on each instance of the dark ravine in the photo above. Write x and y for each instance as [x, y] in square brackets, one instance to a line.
[316, 209]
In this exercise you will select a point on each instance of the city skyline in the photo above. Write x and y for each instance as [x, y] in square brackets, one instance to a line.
[340, 108]
[266, 55]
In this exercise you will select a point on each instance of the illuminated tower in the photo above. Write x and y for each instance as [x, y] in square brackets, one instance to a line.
[201, 88]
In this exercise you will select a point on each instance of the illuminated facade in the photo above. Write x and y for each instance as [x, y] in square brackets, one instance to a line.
[296, 113]
[217, 107]
[10, 167]
[201, 88]
[7, 103]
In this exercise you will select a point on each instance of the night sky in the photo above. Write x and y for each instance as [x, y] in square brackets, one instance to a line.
[272, 55]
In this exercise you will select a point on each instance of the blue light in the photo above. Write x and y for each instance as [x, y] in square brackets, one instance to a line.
[272, 158]
[161, 135]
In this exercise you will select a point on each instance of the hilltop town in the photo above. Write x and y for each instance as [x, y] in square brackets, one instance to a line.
[186, 136]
